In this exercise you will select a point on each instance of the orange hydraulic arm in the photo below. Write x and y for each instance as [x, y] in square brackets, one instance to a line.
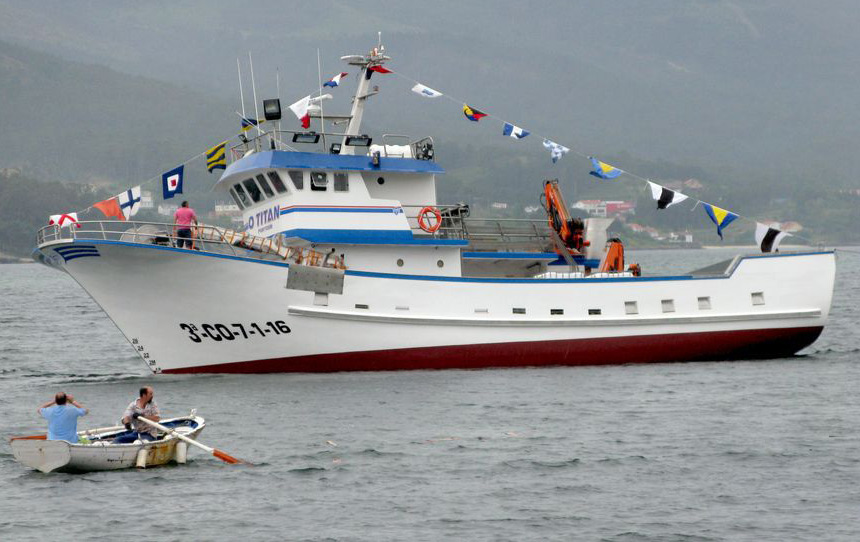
[614, 260]
[569, 229]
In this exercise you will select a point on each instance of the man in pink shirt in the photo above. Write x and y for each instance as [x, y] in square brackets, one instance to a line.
[183, 219]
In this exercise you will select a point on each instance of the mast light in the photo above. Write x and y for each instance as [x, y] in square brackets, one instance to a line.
[306, 137]
[358, 141]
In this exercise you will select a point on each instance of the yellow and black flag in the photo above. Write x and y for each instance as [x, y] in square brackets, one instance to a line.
[216, 158]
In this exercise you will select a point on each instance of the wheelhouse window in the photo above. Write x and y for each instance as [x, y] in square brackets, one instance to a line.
[244, 199]
[253, 190]
[277, 182]
[298, 179]
[341, 182]
[265, 186]
[319, 181]
[236, 198]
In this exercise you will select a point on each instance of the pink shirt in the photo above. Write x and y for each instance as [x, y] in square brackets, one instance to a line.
[184, 216]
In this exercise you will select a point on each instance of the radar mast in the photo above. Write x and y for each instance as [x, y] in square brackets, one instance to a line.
[376, 57]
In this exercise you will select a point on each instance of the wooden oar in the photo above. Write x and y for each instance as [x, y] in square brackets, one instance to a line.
[30, 437]
[223, 456]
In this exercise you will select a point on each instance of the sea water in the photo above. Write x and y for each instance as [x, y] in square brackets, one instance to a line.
[748, 450]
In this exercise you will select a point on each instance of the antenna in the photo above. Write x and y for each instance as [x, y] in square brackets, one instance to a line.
[241, 94]
[254, 87]
[278, 86]
[322, 116]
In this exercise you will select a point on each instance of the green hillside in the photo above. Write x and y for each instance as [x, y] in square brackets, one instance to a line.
[69, 121]
[753, 99]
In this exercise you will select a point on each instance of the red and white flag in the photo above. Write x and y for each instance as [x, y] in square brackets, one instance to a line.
[335, 81]
[300, 109]
[66, 219]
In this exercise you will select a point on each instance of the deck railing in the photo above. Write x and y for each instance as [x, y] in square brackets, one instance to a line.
[484, 233]
[205, 238]
[257, 140]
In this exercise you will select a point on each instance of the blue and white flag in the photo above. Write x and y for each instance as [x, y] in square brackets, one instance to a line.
[556, 151]
[129, 202]
[425, 91]
[514, 131]
[171, 182]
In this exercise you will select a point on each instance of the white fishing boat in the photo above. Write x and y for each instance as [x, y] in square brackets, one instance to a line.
[95, 450]
[347, 261]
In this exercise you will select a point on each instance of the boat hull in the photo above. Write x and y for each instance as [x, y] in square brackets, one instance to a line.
[187, 311]
[704, 346]
[61, 456]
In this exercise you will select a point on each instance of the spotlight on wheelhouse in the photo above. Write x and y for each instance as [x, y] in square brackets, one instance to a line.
[272, 109]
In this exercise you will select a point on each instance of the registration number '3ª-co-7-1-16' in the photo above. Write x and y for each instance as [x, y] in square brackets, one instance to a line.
[229, 332]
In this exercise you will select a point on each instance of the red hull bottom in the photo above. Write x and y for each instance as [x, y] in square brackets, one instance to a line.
[707, 346]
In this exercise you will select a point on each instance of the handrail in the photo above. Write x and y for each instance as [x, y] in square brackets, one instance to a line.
[205, 238]
[422, 149]
[483, 232]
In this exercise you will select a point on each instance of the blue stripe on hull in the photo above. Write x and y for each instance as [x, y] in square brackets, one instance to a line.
[368, 237]
[340, 210]
[190, 252]
[77, 251]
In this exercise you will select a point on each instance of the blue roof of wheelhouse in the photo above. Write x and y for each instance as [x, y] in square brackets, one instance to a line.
[314, 160]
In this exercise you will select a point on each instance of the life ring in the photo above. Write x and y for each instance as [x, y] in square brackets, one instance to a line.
[426, 226]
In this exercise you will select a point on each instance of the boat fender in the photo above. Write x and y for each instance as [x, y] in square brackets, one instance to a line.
[181, 452]
[141, 458]
[427, 226]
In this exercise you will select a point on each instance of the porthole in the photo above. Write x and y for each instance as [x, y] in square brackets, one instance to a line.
[399, 262]
[704, 303]
[519, 310]
[668, 305]
[440, 263]
[380, 180]
[758, 298]
[630, 307]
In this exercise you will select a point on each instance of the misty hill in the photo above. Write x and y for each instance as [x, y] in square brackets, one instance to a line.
[766, 87]
[70, 121]
[754, 99]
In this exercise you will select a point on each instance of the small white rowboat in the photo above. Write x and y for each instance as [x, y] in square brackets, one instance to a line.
[96, 451]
